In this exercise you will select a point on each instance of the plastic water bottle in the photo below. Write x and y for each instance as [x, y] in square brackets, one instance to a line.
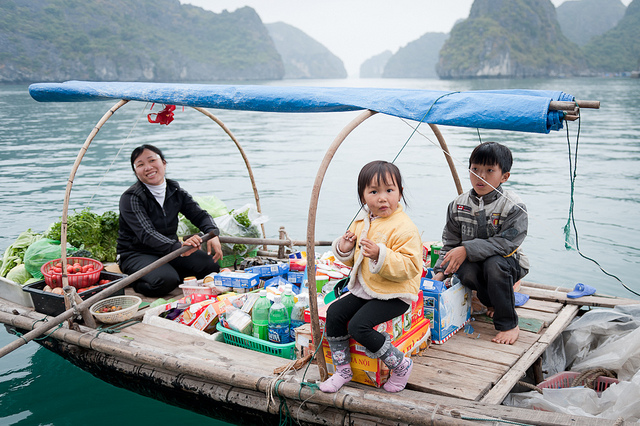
[260, 316]
[297, 314]
[288, 298]
[279, 324]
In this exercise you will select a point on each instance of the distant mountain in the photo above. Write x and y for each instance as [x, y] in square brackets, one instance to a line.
[417, 59]
[617, 50]
[374, 66]
[304, 57]
[581, 20]
[145, 40]
[509, 38]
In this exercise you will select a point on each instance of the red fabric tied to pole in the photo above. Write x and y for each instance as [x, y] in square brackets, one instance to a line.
[163, 117]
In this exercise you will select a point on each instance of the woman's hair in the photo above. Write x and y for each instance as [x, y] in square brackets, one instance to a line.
[379, 171]
[136, 153]
[490, 153]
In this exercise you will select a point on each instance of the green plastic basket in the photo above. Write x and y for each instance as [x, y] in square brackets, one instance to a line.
[230, 259]
[231, 337]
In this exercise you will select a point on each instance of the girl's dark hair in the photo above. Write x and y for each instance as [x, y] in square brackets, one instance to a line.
[380, 171]
[136, 153]
[490, 153]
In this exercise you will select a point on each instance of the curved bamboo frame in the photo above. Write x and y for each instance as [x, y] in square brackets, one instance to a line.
[85, 147]
[244, 157]
[313, 208]
[67, 194]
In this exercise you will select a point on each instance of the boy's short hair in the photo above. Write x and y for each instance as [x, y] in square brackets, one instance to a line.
[378, 170]
[490, 153]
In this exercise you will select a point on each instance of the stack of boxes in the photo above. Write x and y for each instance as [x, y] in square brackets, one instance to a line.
[408, 332]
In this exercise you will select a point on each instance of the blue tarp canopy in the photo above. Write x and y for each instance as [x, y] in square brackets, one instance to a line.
[516, 110]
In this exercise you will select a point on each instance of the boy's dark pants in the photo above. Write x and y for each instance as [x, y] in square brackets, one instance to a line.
[493, 280]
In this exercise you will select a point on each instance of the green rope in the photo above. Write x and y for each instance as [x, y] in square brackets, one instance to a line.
[116, 328]
[571, 220]
[20, 335]
[478, 419]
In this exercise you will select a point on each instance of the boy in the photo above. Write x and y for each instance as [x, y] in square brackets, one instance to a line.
[482, 237]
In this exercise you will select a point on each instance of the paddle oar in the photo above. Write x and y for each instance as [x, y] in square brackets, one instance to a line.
[46, 326]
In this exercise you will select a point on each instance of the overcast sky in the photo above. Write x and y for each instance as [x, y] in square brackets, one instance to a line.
[355, 30]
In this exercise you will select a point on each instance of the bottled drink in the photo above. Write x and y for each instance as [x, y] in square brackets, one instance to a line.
[279, 327]
[297, 314]
[288, 298]
[260, 316]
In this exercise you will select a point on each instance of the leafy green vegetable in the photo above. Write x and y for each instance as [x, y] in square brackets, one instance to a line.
[19, 274]
[90, 231]
[39, 253]
[14, 254]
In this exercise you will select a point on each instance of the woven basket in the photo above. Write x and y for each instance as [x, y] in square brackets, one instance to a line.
[128, 307]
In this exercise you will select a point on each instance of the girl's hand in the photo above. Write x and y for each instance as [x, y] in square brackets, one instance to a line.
[347, 242]
[214, 245]
[370, 249]
[195, 241]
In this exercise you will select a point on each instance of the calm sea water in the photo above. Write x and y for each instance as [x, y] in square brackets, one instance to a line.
[39, 144]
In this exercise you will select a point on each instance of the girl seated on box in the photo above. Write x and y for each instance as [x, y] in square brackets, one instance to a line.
[385, 249]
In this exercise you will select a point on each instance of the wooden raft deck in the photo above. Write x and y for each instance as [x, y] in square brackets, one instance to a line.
[470, 366]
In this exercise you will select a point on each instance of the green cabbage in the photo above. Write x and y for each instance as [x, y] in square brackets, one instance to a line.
[19, 274]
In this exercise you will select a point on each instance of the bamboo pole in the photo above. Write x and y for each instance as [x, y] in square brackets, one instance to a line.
[244, 157]
[570, 105]
[85, 305]
[311, 226]
[447, 156]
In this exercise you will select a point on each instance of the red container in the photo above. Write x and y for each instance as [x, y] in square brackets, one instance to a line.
[77, 280]
[565, 379]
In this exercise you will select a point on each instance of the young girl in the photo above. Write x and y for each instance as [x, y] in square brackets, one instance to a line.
[384, 248]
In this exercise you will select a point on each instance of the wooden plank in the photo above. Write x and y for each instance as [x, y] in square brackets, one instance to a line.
[533, 325]
[543, 306]
[506, 383]
[432, 357]
[560, 296]
[451, 379]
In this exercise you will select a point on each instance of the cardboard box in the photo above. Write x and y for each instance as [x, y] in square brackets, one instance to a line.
[295, 277]
[372, 371]
[236, 279]
[270, 270]
[448, 309]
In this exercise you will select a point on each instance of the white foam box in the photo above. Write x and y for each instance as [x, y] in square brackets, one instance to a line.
[448, 309]
[236, 279]
[13, 293]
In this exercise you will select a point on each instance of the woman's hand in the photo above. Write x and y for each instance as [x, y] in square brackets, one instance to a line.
[195, 241]
[347, 242]
[370, 249]
[214, 246]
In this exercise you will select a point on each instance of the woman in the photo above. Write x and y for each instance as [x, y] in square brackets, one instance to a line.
[149, 222]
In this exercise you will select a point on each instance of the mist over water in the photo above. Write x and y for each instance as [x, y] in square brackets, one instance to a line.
[39, 144]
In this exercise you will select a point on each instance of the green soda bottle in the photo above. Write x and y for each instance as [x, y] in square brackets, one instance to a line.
[288, 298]
[260, 316]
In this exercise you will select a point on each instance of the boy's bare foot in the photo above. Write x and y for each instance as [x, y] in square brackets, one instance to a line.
[490, 312]
[508, 337]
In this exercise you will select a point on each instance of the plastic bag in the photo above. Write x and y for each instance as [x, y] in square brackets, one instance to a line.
[242, 222]
[40, 253]
[214, 206]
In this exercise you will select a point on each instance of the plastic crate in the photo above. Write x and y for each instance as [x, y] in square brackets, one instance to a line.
[565, 379]
[231, 337]
[188, 290]
[78, 280]
[53, 304]
[232, 259]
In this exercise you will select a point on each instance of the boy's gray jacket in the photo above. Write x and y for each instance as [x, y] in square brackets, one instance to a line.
[495, 224]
